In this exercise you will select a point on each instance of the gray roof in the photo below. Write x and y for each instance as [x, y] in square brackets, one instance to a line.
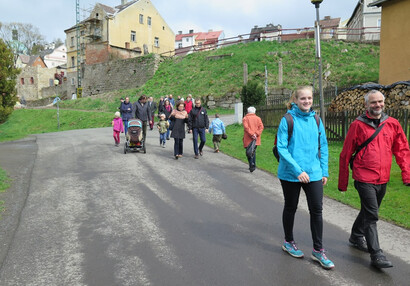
[378, 3]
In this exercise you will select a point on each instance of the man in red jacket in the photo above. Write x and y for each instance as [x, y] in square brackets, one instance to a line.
[371, 170]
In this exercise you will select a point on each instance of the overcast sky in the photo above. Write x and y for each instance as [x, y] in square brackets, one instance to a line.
[235, 17]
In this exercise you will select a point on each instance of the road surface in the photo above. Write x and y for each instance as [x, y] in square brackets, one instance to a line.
[81, 212]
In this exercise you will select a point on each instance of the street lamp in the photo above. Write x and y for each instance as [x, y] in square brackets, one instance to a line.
[318, 56]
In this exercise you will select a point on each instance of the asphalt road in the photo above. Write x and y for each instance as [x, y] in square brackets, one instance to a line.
[81, 212]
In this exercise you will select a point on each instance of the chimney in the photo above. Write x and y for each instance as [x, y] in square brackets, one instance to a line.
[123, 2]
[179, 32]
[191, 31]
[210, 30]
[327, 17]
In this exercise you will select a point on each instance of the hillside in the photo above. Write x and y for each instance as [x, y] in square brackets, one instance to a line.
[204, 74]
[200, 74]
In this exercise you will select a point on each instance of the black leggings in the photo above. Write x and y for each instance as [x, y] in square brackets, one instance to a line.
[314, 196]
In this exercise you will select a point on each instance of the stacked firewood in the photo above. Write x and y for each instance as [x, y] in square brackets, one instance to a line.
[397, 97]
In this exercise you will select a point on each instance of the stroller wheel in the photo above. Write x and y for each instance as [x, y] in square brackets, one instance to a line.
[125, 148]
[143, 149]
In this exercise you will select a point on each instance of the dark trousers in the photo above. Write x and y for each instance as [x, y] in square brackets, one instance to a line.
[252, 160]
[178, 146]
[144, 130]
[201, 133]
[314, 196]
[371, 197]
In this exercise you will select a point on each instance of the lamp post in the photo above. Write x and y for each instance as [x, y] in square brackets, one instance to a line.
[318, 56]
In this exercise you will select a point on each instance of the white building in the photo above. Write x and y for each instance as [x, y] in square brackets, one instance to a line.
[57, 57]
[365, 22]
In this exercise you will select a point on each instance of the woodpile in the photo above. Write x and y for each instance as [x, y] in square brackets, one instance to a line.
[397, 97]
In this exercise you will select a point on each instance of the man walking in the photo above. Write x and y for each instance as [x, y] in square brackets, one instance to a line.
[152, 105]
[143, 113]
[198, 124]
[371, 169]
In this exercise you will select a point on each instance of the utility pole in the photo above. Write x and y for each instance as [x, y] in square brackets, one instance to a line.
[77, 14]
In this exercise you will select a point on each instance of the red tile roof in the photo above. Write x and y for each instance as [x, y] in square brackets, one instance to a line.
[180, 36]
[209, 35]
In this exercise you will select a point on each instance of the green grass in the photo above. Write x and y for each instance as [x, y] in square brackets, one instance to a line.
[4, 185]
[396, 203]
[24, 122]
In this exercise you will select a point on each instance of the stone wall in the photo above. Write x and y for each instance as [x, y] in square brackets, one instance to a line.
[120, 74]
[226, 101]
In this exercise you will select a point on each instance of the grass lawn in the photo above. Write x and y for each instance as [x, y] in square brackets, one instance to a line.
[396, 204]
[4, 185]
[24, 122]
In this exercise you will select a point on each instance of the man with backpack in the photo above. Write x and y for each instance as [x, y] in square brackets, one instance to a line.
[373, 138]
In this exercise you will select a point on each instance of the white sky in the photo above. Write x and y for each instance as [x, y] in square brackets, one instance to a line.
[235, 17]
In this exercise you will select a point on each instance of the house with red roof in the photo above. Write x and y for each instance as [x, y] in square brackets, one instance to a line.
[190, 42]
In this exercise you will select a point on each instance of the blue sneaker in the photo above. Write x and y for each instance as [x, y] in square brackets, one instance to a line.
[320, 257]
[292, 249]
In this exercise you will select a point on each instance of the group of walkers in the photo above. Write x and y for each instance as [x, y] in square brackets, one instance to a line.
[175, 120]
[303, 160]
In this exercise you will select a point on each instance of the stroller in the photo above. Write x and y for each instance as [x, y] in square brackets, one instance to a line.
[134, 142]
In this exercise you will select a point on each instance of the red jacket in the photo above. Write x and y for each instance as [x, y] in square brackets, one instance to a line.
[252, 124]
[372, 164]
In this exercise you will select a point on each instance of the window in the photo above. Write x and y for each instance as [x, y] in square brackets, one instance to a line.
[31, 80]
[72, 41]
[22, 80]
[379, 23]
[72, 61]
[149, 21]
[156, 42]
[179, 45]
[72, 81]
[133, 36]
[141, 19]
[82, 33]
[187, 39]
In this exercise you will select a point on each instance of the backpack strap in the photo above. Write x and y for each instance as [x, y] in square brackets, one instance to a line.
[318, 128]
[289, 121]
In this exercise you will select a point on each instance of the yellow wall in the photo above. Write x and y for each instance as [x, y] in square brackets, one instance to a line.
[128, 20]
[395, 42]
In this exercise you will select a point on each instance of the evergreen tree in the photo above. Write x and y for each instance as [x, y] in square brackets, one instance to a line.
[253, 94]
[8, 75]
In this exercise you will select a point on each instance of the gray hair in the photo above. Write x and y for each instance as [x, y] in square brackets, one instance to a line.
[251, 109]
[373, 91]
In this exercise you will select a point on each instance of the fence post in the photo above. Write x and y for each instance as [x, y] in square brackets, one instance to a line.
[345, 123]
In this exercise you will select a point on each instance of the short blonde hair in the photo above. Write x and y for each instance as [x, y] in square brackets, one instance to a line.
[117, 114]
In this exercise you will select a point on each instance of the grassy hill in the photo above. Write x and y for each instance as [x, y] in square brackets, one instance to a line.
[200, 74]
[349, 64]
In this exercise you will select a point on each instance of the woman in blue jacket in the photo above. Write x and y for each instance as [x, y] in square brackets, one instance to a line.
[303, 164]
[126, 113]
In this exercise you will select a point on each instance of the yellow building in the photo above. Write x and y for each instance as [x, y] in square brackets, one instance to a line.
[394, 41]
[130, 29]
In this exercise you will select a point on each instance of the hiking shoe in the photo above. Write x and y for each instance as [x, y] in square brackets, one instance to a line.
[200, 153]
[380, 261]
[196, 157]
[320, 257]
[163, 145]
[292, 249]
[359, 243]
[176, 157]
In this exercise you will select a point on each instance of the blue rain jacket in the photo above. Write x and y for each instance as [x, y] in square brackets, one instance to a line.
[302, 154]
[217, 127]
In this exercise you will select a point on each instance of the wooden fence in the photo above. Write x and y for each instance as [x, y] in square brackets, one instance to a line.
[337, 123]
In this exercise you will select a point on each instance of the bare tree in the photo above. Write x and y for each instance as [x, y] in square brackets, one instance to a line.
[27, 34]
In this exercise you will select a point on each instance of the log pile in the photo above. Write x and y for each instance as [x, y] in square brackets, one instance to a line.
[397, 97]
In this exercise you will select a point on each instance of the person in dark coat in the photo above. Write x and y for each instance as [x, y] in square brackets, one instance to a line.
[143, 113]
[126, 113]
[179, 117]
[153, 107]
[198, 123]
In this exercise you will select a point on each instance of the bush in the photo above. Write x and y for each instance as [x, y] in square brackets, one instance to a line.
[252, 94]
